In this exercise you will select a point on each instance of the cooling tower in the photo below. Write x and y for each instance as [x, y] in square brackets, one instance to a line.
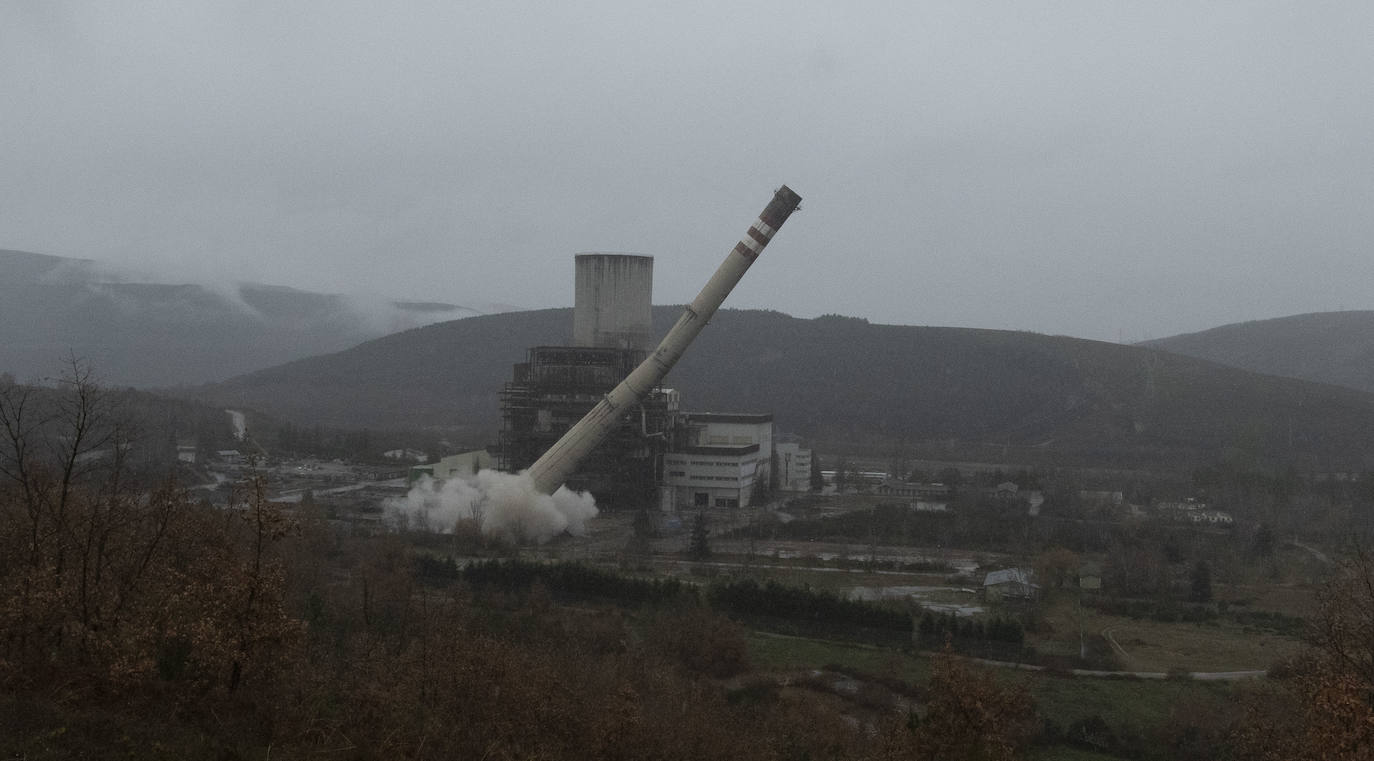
[614, 301]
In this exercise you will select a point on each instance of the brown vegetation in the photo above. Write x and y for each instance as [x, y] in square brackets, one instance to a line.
[1326, 709]
[104, 584]
[137, 623]
[970, 715]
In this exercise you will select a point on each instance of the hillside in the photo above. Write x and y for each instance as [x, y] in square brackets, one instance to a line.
[845, 382]
[154, 334]
[1329, 347]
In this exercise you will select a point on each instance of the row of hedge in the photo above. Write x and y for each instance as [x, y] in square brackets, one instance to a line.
[575, 581]
[799, 610]
[748, 598]
[935, 628]
[1170, 611]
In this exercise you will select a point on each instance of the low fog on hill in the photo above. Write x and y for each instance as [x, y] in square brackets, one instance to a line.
[137, 331]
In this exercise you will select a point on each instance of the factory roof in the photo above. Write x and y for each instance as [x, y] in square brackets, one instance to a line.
[613, 254]
[720, 450]
[731, 417]
[1008, 576]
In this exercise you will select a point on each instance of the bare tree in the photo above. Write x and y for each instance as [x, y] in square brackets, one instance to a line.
[77, 538]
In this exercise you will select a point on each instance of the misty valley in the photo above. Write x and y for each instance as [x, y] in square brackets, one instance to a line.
[411, 381]
[919, 543]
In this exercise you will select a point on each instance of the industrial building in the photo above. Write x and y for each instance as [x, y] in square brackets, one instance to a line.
[717, 460]
[556, 385]
[657, 455]
[457, 465]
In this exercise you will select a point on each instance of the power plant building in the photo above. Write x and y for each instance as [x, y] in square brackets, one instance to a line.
[454, 466]
[557, 385]
[657, 455]
[718, 460]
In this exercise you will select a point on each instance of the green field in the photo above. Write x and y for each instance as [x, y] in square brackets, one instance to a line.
[1140, 703]
[1121, 702]
[781, 652]
[1159, 647]
[1063, 753]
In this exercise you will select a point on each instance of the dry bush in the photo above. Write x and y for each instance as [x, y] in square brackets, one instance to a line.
[700, 641]
[1324, 708]
[108, 589]
[969, 715]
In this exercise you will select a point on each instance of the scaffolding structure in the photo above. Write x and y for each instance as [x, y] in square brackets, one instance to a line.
[554, 388]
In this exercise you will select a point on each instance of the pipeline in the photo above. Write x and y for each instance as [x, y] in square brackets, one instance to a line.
[552, 468]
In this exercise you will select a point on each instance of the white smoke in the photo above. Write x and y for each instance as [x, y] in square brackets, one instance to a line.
[506, 505]
[381, 316]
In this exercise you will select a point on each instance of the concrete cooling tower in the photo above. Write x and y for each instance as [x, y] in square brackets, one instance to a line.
[613, 306]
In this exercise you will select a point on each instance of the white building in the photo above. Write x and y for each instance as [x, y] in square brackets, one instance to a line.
[1215, 517]
[464, 465]
[722, 476]
[1010, 583]
[722, 458]
[414, 455]
[710, 429]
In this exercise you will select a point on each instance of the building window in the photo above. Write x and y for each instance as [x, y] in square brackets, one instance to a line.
[701, 499]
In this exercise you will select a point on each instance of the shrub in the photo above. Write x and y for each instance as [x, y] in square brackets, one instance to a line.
[700, 641]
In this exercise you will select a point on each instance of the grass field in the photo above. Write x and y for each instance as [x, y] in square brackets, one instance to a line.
[1294, 599]
[1121, 702]
[1062, 753]
[780, 652]
[1153, 646]
[837, 579]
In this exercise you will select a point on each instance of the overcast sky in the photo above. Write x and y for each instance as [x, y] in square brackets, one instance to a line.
[1105, 170]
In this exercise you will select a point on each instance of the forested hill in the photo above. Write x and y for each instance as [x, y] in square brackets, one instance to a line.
[843, 381]
[1329, 347]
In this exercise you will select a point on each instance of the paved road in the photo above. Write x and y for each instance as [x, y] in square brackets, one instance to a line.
[1316, 553]
[1109, 635]
[1207, 676]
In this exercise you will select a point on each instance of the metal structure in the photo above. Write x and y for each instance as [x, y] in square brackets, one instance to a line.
[554, 388]
[552, 469]
[557, 385]
[613, 307]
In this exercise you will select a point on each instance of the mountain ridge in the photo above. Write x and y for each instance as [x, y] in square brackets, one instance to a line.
[848, 382]
[1326, 347]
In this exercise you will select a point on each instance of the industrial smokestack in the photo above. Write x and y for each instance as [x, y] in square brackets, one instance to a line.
[553, 468]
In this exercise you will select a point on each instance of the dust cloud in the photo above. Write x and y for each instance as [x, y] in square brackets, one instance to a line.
[505, 505]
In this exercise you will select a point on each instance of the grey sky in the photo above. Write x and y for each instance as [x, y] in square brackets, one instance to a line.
[1106, 170]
